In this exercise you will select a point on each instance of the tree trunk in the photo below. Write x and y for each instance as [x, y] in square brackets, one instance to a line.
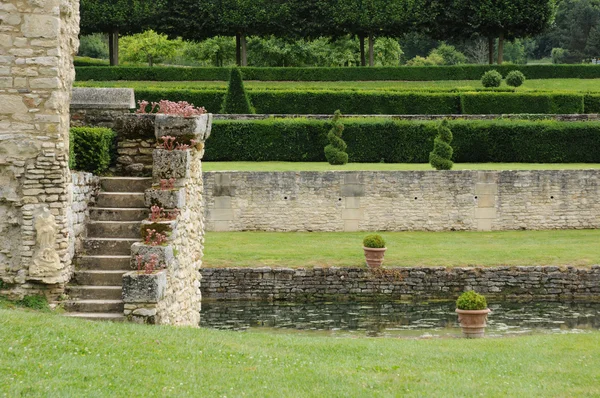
[244, 50]
[501, 49]
[491, 50]
[363, 61]
[238, 49]
[113, 47]
[371, 50]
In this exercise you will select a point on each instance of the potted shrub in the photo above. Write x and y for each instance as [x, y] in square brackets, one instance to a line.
[374, 247]
[472, 313]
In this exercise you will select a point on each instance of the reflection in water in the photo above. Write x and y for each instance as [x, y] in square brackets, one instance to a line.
[397, 318]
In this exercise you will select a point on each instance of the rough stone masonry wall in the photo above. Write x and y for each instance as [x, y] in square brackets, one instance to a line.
[510, 283]
[83, 190]
[38, 39]
[402, 200]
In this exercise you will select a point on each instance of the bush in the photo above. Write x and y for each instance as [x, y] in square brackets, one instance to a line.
[397, 141]
[86, 61]
[334, 152]
[559, 55]
[93, 148]
[414, 73]
[442, 151]
[487, 103]
[236, 100]
[515, 78]
[374, 241]
[491, 78]
[471, 301]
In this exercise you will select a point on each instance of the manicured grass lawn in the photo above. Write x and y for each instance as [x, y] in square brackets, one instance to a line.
[539, 84]
[47, 355]
[405, 249]
[323, 166]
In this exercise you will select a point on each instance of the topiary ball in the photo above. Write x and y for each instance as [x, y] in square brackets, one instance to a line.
[515, 78]
[491, 78]
[471, 301]
[374, 241]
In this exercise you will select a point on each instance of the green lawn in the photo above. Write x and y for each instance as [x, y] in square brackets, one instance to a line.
[405, 249]
[540, 84]
[323, 166]
[51, 356]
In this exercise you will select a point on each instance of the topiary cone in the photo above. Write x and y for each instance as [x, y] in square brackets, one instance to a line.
[236, 100]
[335, 151]
[442, 151]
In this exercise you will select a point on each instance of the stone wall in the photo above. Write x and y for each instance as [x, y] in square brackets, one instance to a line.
[171, 296]
[100, 107]
[402, 200]
[83, 190]
[510, 283]
[37, 43]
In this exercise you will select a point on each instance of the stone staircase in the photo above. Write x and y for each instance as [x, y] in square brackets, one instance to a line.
[115, 222]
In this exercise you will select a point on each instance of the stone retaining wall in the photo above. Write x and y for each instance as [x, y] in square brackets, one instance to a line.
[402, 200]
[419, 283]
[83, 190]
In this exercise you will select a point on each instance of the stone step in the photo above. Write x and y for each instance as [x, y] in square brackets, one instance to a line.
[125, 184]
[108, 246]
[95, 305]
[97, 316]
[99, 278]
[114, 229]
[103, 263]
[95, 292]
[118, 214]
[120, 200]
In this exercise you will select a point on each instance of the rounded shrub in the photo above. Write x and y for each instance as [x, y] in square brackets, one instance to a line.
[442, 151]
[515, 78]
[471, 301]
[335, 151]
[491, 78]
[374, 241]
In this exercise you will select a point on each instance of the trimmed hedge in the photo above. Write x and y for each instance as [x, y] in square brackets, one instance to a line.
[510, 103]
[87, 61]
[386, 140]
[386, 102]
[92, 149]
[413, 73]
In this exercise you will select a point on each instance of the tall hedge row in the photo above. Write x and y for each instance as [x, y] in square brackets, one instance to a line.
[385, 102]
[455, 72]
[386, 140]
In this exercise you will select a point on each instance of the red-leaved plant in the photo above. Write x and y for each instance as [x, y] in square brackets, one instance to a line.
[165, 185]
[157, 213]
[149, 266]
[181, 108]
[154, 238]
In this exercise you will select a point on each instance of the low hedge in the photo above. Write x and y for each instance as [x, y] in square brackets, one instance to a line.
[87, 61]
[413, 73]
[510, 103]
[302, 102]
[386, 140]
[92, 150]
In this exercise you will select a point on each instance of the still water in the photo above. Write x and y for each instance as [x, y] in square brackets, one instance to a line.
[397, 319]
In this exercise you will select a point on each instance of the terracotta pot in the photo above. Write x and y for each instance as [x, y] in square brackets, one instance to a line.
[374, 257]
[473, 322]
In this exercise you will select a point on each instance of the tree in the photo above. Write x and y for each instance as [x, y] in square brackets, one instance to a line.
[236, 100]
[148, 47]
[368, 19]
[577, 25]
[115, 17]
[335, 152]
[442, 151]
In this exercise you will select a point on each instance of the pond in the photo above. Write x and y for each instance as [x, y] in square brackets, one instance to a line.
[397, 319]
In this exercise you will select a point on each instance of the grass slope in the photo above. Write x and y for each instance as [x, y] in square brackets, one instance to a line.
[323, 166]
[405, 249]
[586, 85]
[46, 355]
